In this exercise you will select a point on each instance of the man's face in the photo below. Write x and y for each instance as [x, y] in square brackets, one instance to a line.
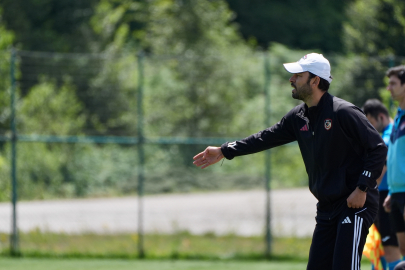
[376, 122]
[397, 90]
[300, 82]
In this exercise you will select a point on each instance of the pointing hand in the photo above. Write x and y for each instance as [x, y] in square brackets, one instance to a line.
[209, 156]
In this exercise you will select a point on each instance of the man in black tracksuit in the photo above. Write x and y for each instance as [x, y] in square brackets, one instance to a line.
[343, 156]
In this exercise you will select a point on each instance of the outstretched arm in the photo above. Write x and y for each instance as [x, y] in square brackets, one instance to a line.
[209, 156]
[279, 134]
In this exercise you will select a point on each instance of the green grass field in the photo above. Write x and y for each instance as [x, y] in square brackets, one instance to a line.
[181, 245]
[181, 251]
[107, 264]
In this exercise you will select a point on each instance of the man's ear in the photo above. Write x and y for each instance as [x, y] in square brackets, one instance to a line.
[316, 81]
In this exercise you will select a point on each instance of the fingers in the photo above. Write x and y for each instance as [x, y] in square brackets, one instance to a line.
[200, 160]
[350, 203]
[199, 155]
[357, 199]
[205, 165]
[354, 206]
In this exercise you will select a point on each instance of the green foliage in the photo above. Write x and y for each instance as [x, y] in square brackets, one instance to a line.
[102, 170]
[49, 110]
[39, 176]
[220, 113]
[5, 183]
[111, 98]
[50, 25]
[358, 78]
[297, 24]
[375, 27]
[6, 40]
[177, 27]
[119, 22]
[6, 36]
[201, 79]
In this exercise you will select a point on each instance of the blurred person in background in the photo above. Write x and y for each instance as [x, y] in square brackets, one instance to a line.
[343, 156]
[379, 117]
[395, 201]
[400, 266]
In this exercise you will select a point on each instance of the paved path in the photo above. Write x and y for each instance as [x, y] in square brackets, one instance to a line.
[240, 212]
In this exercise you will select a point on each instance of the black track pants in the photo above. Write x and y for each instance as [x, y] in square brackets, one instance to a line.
[337, 244]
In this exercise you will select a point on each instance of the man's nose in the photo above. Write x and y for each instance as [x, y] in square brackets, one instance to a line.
[292, 78]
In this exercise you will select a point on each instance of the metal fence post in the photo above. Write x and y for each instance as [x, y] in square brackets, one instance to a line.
[141, 156]
[267, 153]
[14, 245]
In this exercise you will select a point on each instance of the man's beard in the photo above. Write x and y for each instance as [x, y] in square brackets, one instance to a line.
[302, 93]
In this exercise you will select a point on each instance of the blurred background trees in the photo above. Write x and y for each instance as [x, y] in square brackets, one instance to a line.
[204, 74]
[372, 28]
[297, 24]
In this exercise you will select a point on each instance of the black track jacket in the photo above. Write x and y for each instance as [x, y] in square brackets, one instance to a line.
[340, 148]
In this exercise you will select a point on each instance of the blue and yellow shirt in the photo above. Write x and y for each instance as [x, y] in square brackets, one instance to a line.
[396, 155]
[386, 134]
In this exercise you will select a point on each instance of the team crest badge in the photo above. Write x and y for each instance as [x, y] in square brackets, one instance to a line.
[328, 124]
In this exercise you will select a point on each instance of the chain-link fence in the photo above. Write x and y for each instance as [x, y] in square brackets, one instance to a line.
[103, 145]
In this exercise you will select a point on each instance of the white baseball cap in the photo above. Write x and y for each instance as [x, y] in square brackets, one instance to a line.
[314, 63]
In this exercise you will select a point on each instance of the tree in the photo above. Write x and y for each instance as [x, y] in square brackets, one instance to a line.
[375, 27]
[50, 25]
[311, 24]
[373, 35]
[6, 39]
